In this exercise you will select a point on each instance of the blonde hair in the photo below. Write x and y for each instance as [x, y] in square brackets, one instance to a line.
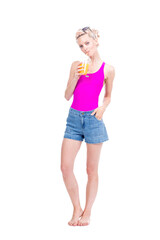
[93, 33]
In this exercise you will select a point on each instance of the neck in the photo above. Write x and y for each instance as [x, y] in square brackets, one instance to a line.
[95, 58]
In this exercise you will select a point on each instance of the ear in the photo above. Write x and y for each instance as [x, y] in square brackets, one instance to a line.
[97, 44]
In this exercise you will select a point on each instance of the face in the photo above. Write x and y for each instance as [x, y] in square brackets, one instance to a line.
[87, 44]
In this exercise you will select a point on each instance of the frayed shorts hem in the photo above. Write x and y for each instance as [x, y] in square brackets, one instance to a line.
[72, 137]
[102, 140]
[87, 141]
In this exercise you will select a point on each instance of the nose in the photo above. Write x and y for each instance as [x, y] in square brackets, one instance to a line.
[85, 49]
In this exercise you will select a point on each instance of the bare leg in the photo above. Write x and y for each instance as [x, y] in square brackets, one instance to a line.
[69, 151]
[93, 155]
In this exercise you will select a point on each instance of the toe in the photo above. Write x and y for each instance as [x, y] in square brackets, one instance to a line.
[85, 224]
[78, 223]
[75, 224]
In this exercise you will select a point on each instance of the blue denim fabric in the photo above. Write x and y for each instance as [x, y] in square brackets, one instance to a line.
[82, 125]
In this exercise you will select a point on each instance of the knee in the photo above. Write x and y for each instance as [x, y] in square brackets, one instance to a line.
[92, 172]
[66, 170]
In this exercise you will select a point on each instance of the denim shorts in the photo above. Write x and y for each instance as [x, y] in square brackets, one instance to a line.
[82, 125]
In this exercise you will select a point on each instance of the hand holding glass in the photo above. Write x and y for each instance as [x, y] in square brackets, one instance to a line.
[83, 68]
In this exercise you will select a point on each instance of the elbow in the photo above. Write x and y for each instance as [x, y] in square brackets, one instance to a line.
[108, 98]
[66, 97]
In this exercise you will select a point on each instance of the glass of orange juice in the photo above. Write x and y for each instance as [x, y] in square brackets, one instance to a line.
[84, 67]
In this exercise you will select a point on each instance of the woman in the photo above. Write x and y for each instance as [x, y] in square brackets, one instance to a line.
[85, 122]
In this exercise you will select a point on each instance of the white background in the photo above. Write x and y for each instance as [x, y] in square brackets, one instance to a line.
[37, 47]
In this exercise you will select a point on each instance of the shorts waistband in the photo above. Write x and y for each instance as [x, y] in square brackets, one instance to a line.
[80, 112]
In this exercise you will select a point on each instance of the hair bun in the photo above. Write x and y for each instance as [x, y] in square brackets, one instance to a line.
[96, 32]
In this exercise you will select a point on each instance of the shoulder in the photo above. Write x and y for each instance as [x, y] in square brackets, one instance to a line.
[109, 70]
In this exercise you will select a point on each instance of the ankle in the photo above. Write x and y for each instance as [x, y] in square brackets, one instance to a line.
[77, 208]
[87, 211]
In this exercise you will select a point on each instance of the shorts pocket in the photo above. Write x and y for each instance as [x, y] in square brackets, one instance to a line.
[97, 118]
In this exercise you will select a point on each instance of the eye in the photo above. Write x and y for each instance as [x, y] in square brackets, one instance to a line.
[87, 42]
[81, 46]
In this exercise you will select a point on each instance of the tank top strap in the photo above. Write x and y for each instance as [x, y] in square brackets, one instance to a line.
[102, 66]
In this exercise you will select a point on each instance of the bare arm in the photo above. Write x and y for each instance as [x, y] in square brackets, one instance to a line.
[72, 81]
[108, 87]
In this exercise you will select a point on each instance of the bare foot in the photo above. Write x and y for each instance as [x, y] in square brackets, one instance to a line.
[76, 215]
[85, 219]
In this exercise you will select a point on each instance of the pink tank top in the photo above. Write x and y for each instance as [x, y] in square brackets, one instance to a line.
[87, 91]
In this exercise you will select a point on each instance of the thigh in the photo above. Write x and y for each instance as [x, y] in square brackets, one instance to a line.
[69, 150]
[93, 156]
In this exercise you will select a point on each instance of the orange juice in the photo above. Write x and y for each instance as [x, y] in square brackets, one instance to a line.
[84, 68]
